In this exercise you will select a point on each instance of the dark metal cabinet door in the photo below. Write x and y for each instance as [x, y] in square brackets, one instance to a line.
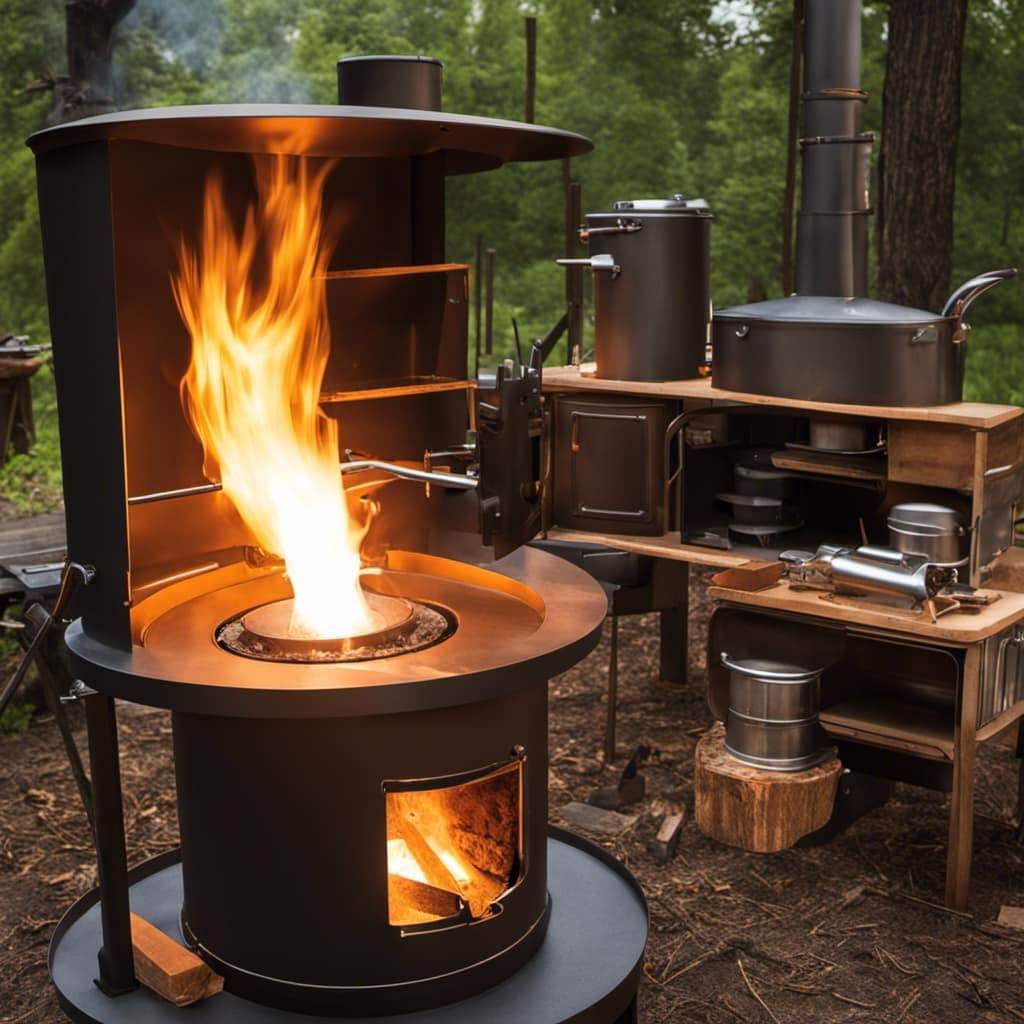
[609, 471]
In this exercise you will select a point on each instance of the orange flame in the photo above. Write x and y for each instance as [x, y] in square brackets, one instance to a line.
[254, 302]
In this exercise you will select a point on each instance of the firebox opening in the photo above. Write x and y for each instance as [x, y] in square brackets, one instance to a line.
[266, 632]
[455, 850]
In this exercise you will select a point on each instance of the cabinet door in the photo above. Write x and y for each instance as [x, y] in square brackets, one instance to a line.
[609, 472]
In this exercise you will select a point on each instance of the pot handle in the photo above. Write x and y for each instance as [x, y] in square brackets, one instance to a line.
[956, 305]
[602, 261]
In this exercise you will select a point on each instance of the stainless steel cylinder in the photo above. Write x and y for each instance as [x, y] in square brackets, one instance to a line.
[932, 531]
[773, 714]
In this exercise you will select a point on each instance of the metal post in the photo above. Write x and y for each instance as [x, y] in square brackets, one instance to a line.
[489, 308]
[116, 963]
[573, 274]
[478, 301]
[531, 69]
[613, 693]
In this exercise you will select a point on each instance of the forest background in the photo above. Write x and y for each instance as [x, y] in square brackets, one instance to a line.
[678, 95]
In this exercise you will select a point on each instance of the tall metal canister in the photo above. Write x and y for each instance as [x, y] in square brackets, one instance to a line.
[652, 291]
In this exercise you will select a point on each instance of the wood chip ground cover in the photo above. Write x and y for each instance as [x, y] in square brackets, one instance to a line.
[853, 930]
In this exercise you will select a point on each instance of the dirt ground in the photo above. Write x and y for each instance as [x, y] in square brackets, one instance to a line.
[852, 930]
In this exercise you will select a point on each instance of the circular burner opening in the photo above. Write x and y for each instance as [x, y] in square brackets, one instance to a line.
[263, 632]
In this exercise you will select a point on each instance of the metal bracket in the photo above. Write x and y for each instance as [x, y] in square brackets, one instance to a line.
[78, 691]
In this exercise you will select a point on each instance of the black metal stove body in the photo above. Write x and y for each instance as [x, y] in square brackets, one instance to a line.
[302, 786]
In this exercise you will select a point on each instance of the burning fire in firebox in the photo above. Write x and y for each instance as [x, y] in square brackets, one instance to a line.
[253, 299]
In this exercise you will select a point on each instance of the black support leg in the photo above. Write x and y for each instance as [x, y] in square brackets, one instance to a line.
[613, 694]
[674, 623]
[117, 969]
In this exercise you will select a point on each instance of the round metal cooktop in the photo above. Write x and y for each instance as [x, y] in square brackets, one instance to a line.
[264, 632]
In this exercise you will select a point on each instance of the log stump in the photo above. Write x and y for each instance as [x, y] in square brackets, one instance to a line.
[756, 809]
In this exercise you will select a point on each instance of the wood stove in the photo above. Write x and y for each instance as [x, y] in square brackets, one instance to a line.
[363, 810]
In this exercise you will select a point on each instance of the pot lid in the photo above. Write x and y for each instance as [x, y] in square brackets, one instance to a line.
[769, 669]
[676, 204]
[924, 514]
[831, 309]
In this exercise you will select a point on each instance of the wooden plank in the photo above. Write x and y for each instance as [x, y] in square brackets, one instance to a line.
[43, 534]
[934, 454]
[668, 546]
[425, 387]
[976, 415]
[896, 725]
[958, 628]
[173, 972]
[1004, 719]
[1006, 445]
[424, 268]
[755, 809]
[752, 576]
[850, 467]
[409, 901]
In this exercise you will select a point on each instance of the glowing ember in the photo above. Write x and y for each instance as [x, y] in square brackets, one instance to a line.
[254, 303]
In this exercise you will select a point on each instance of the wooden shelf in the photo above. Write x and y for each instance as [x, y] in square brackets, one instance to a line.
[976, 415]
[959, 628]
[861, 468]
[895, 725]
[384, 389]
[425, 268]
[668, 546]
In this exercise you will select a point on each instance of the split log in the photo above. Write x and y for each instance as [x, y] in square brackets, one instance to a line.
[168, 968]
[755, 809]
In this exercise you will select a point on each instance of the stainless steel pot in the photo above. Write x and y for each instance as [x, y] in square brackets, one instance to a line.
[765, 483]
[652, 291]
[843, 435]
[933, 531]
[755, 508]
[850, 350]
[773, 714]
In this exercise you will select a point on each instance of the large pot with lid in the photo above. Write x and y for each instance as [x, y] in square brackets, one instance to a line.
[652, 292]
[848, 350]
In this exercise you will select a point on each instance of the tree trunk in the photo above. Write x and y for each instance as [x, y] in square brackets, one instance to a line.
[917, 166]
[88, 87]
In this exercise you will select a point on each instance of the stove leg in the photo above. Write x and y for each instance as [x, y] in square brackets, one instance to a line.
[116, 962]
[674, 619]
[613, 694]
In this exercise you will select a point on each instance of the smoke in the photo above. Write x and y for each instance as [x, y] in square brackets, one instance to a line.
[217, 52]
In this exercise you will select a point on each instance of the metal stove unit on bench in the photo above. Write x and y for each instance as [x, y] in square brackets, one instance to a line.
[363, 816]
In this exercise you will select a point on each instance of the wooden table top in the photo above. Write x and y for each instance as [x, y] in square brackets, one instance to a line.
[976, 415]
[957, 627]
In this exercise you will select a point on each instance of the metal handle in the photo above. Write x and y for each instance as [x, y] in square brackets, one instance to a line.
[574, 440]
[602, 261]
[621, 227]
[956, 305]
[778, 677]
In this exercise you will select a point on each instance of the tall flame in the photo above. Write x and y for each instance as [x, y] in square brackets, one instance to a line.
[254, 302]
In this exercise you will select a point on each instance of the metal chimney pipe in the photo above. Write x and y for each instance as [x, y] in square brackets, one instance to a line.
[390, 80]
[832, 226]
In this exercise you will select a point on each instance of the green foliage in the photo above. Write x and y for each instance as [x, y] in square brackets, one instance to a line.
[678, 95]
[16, 717]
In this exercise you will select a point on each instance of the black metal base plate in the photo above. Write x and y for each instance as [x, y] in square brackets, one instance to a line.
[586, 972]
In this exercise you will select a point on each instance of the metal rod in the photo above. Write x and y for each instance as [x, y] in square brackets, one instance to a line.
[445, 479]
[531, 69]
[478, 302]
[613, 693]
[456, 480]
[573, 275]
[116, 963]
[489, 307]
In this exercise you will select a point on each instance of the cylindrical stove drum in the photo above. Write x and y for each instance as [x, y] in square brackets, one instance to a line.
[652, 290]
[287, 828]
[773, 714]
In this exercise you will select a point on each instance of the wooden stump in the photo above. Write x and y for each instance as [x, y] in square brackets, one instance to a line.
[755, 809]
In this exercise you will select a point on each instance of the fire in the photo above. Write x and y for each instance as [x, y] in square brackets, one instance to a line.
[254, 302]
